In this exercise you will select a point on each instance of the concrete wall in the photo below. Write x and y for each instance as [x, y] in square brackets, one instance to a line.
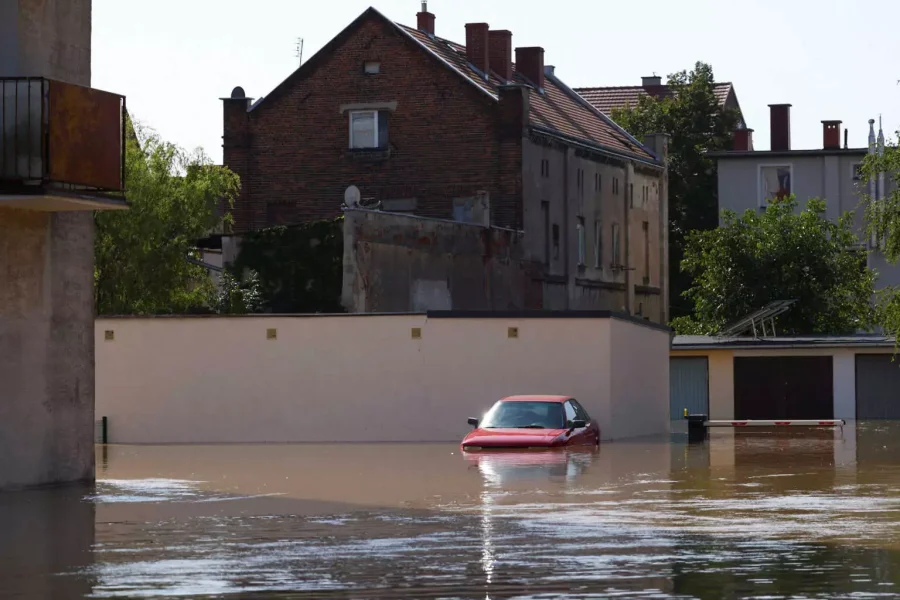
[721, 376]
[367, 378]
[46, 285]
[402, 263]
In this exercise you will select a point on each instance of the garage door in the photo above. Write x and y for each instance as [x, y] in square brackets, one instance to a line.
[877, 387]
[688, 386]
[783, 387]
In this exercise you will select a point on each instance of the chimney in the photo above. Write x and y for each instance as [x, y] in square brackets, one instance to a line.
[530, 64]
[477, 35]
[425, 20]
[846, 133]
[831, 135]
[500, 53]
[652, 81]
[780, 124]
[743, 140]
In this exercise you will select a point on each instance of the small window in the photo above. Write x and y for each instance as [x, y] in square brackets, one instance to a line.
[615, 186]
[555, 241]
[615, 245]
[372, 67]
[368, 129]
[631, 194]
[598, 244]
[774, 183]
[545, 168]
[646, 252]
[582, 249]
[597, 182]
[545, 214]
[580, 180]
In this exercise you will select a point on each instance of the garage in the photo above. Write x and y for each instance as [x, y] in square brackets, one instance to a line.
[783, 387]
[877, 387]
[688, 386]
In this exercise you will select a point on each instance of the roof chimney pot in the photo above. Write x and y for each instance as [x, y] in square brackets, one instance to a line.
[477, 46]
[425, 20]
[780, 126]
[530, 64]
[831, 135]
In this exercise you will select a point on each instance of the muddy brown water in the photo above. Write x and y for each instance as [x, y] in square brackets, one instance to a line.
[756, 514]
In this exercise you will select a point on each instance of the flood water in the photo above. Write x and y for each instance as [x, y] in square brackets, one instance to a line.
[755, 514]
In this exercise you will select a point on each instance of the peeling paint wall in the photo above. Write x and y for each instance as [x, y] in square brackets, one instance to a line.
[400, 263]
[46, 284]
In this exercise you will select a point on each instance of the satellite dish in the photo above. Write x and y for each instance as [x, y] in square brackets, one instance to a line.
[351, 196]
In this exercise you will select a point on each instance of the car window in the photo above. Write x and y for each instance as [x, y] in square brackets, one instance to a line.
[515, 415]
[571, 414]
[582, 414]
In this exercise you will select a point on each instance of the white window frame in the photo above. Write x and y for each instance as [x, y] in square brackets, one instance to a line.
[760, 201]
[374, 115]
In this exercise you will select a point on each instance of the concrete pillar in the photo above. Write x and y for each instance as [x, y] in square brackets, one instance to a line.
[844, 374]
[46, 282]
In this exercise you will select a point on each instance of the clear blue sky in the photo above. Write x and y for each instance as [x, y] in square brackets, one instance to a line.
[831, 59]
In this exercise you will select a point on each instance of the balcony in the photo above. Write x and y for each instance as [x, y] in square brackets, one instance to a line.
[62, 146]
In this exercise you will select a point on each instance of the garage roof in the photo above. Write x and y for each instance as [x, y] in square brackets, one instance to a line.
[705, 342]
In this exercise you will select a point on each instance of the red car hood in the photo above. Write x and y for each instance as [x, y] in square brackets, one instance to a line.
[512, 438]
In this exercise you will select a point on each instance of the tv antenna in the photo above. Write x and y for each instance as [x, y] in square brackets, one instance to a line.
[298, 50]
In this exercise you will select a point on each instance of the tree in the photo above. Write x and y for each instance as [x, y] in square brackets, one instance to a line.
[780, 254]
[883, 224]
[234, 297]
[697, 124]
[141, 253]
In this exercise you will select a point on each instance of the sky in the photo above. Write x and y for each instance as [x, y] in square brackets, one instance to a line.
[831, 59]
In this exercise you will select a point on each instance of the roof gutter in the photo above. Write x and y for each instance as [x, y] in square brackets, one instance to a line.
[788, 346]
[598, 147]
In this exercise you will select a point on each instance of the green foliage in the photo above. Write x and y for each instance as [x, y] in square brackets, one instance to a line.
[234, 297]
[883, 223]
[141, 253]
[697, 124]
[780, 254]
[300, 267]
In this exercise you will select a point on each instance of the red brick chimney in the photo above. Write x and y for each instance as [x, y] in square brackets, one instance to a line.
[831, 135]
[743, 140]
[530, 64]
[780, 124]
[477, 45]
[425, 20]
[500, 53]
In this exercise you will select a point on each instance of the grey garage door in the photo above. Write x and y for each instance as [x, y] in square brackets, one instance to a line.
[688, 385]
[877, 387]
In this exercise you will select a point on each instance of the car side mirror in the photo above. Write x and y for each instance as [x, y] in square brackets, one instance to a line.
[578, 424]
[473, 421]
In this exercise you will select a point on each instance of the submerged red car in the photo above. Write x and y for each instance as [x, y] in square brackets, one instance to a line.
[533, 422]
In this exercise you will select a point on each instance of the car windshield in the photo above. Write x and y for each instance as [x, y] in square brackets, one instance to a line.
[524, 415]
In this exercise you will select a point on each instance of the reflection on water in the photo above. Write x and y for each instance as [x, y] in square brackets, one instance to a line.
[811, 514]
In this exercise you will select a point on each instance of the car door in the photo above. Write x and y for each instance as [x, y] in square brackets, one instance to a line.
[576, 436]
[592, 431]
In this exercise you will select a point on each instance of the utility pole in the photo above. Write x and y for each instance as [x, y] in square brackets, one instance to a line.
[298, 50]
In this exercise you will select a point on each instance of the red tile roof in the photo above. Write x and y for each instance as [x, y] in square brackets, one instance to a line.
[605, 99]
[559, 109]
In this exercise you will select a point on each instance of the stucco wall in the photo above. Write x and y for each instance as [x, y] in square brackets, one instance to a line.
[46, 284]
[365, 378]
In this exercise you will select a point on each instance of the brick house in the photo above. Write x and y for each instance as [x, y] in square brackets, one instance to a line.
[421, 125]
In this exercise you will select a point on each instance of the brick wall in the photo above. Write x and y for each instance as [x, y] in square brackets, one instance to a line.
[447, 138]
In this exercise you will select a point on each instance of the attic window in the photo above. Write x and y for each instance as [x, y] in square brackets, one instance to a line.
[372, 67]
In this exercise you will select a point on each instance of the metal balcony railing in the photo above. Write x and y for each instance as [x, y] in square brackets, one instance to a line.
[62, 136]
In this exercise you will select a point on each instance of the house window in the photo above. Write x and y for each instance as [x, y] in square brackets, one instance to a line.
[580, 181]
[597, 182]
[646, 252]
[368, 129]
[555, 241]
[631, 194]
[615, 245]
[615, 186]
[598, 244]
[545, 214]
[774, 183]
[545, 168]
[372, 67]
[858, 174]
[582, 243]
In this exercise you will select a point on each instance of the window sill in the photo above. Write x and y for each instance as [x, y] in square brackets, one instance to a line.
[368, 154]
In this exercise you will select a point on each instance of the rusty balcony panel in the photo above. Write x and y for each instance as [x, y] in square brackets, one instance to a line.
[60, 144]
[85, 137]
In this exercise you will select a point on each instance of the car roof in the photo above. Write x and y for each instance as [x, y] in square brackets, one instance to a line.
[536, 399]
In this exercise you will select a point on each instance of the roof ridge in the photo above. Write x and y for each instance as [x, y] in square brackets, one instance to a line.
[639, 87]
